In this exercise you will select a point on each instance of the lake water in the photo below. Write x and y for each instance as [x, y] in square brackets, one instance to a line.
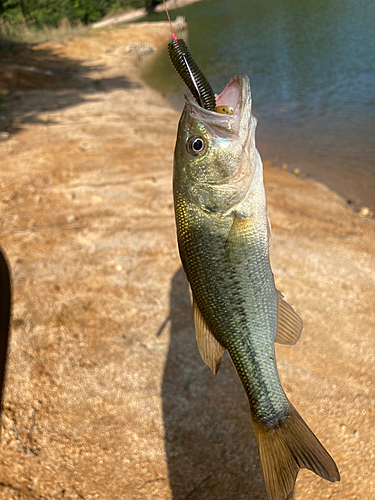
[312, 72]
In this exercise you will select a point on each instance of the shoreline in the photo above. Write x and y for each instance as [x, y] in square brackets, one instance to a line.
[140, 13]
[106, 396]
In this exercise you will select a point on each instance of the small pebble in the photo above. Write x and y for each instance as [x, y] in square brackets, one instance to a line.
[119, 267]
[296, 171]
[71, 218]
[284, 166]
[85, 146]
[4, 136]
[158, 346]
[364, 212]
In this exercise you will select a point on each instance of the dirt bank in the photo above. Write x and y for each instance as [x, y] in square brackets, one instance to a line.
[106, 396]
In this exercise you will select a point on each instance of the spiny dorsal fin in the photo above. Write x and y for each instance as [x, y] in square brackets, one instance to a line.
[209, 348]
[289, 324]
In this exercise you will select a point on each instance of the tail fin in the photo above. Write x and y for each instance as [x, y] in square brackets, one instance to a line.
[286, 449]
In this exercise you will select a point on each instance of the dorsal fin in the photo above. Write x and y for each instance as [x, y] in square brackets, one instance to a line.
[209, 348]
[289, 324]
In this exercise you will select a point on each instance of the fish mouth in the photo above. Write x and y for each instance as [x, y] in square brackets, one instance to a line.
[236, 95]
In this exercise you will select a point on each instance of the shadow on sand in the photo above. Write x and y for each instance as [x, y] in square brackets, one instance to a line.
[210, 446]
[36, 80]
[5, 308]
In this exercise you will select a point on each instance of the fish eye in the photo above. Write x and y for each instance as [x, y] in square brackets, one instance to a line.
[196, 146]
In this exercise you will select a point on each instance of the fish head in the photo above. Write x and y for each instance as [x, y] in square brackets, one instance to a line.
[215, 157]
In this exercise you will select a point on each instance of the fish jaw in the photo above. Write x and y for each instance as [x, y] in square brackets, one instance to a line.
[219, 179]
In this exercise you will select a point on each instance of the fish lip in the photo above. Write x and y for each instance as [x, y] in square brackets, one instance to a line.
[236, 94]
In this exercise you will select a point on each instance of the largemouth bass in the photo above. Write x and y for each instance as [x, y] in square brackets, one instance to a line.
[223, 236]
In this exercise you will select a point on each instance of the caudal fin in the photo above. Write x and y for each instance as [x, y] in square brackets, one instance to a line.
[286, 449]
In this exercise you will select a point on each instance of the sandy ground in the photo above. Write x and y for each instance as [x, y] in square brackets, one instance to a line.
[106, 396]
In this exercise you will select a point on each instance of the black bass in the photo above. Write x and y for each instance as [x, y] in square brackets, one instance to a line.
[223, 235]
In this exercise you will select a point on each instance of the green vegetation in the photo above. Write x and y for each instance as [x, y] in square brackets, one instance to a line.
[39, 13]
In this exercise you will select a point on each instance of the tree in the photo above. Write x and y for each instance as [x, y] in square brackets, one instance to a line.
[89, 11]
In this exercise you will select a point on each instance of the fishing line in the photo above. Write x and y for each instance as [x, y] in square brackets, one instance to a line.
[169, 19]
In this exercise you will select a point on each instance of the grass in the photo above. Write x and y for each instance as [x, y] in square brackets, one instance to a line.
[30, 31]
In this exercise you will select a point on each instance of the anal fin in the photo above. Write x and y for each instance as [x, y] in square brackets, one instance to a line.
[209, 348]
[289, 324]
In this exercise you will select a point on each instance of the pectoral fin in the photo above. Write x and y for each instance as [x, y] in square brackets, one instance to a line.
[209, 348]
[289, 324]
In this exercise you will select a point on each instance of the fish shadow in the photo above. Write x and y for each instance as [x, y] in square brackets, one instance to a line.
[209, 442]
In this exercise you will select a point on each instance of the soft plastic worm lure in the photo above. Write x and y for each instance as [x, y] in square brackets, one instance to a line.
[192, 75]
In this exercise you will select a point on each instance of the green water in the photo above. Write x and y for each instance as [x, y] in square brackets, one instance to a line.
[312, 72]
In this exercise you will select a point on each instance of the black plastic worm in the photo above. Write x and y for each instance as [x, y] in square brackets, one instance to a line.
[190, 73]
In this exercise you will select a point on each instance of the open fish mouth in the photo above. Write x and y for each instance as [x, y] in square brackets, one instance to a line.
[235, 96]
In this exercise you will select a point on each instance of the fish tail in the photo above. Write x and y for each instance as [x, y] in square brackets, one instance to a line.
[286, 448]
